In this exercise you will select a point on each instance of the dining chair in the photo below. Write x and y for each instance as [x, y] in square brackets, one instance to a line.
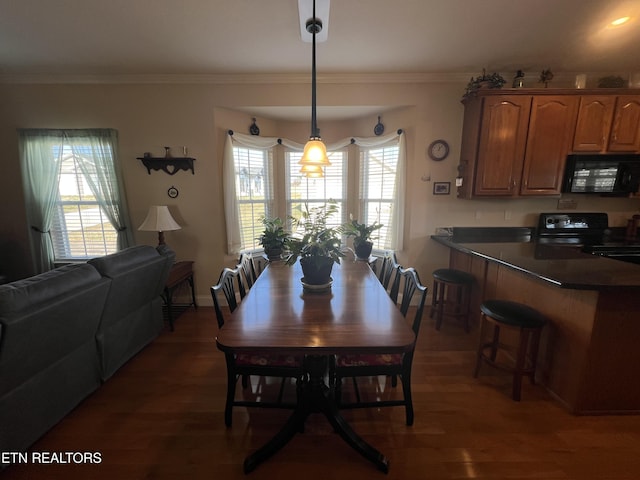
[260, 262]
[390, 270]
[379, 265]
[245, 263]
[243, 365]
[391, 364]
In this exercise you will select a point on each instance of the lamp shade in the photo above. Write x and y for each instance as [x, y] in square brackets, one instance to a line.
[312, 171]
[315, 153]
[159, 220]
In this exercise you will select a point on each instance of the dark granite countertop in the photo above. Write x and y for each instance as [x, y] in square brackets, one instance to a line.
[565, 267]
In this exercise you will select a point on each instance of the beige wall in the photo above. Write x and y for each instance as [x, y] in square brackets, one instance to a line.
[150, 116]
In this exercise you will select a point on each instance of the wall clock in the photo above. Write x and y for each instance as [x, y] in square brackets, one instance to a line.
[173, 192]
[438, 150]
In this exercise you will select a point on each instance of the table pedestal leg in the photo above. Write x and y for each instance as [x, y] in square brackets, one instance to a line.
[315, 397]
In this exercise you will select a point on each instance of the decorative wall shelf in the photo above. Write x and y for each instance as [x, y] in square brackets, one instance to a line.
[164, 163]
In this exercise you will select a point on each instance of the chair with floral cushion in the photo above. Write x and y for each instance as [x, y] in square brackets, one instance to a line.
[244, 365]
[393, 364]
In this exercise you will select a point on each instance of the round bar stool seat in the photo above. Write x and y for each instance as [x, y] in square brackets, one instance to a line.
[451, 295]
[524, 320]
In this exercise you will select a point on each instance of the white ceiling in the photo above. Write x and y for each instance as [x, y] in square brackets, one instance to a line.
[191, 37]
[242, 39]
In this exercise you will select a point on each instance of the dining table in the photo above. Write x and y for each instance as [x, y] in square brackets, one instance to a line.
[279, 315]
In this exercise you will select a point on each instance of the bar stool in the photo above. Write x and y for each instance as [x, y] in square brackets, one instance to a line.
[451, 295]
[514, 316]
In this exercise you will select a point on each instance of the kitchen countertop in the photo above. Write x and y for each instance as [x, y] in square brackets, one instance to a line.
[562, 266]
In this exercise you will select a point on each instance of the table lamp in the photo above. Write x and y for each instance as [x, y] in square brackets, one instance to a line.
[159, 220]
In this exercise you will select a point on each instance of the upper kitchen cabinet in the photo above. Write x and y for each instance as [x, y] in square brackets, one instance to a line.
[608, 123]
[503, 137]
[515, 144]
[551, 127]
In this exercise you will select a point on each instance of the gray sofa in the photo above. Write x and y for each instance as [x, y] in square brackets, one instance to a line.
[64, 332]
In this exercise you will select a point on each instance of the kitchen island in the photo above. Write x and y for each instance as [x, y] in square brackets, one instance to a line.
[590, 350]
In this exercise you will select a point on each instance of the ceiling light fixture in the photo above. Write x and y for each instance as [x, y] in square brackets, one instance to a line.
[619, 21]
[315, 151]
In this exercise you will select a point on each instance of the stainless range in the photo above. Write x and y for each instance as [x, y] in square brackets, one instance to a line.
[588, 231]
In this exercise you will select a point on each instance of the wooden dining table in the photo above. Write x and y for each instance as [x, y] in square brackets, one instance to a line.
[355, 316]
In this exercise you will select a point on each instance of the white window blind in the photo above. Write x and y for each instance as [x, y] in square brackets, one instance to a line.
[378, 190]
[80, 229]
[316, 192]
[254, 191]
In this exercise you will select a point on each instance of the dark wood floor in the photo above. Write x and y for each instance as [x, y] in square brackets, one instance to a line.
[161, 417]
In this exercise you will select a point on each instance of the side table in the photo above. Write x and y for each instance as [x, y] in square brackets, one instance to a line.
[180, 272]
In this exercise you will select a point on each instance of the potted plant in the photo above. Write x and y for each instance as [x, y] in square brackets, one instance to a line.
[361, 233]
[492, 80]
[273, 238]
[318, 246]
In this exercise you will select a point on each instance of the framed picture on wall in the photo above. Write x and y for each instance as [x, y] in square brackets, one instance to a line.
[441, 188]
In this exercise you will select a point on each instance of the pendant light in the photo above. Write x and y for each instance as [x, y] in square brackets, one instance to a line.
[312, 171]
[315, 151]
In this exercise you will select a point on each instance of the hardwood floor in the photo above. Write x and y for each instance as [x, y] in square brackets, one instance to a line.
[161, 417]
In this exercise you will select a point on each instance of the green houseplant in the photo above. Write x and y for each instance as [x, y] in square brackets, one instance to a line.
[317, 244]
[273, 238]
[362, 236]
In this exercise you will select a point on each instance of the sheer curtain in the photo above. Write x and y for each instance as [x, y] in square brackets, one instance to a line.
[40, 171]
[102, 171]
[231, 206]
[41, 154]
[397, 233]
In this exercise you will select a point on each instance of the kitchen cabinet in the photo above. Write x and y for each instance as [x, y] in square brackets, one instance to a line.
[503, 137]
[608, 123]
[515, 142]
[522, 143]
[551, 127]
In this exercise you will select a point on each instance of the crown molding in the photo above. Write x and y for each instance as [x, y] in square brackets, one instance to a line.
[233, 79]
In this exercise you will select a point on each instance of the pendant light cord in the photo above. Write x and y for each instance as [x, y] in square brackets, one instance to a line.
[314, 29]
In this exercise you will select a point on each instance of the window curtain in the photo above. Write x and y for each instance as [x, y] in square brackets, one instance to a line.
[40, 171]
[41, 152]
[397, 234]
[102, 171]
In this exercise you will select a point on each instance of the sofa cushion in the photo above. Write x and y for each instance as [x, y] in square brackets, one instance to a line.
[138, 275]
[132, 316]
[45, 317]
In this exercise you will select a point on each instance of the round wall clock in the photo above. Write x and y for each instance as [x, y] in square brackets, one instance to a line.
[438, 150]
[173, 192]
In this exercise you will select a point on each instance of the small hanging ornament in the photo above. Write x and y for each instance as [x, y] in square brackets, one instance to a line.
[253, 129]
[379, 128]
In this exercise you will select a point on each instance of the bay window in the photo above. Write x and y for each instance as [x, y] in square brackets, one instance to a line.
[249, 171]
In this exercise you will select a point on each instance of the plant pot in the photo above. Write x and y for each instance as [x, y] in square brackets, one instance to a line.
[363, 250]
[273, 253]
[316, 270]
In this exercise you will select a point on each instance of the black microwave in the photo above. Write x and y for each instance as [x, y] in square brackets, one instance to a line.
[615, 175]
